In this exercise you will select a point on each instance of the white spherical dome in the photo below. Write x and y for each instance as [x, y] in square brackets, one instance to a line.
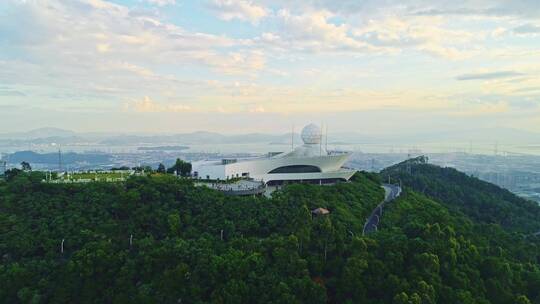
[311, 134]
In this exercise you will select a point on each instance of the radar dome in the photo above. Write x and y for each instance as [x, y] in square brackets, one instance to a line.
[311, 134]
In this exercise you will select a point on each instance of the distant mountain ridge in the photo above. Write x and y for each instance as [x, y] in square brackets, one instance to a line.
[62, 136]
[39, 133]
[51, 158]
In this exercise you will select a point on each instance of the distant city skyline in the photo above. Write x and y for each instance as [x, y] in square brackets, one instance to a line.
[236, 66]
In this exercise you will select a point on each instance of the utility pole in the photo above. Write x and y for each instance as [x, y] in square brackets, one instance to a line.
[409, 163]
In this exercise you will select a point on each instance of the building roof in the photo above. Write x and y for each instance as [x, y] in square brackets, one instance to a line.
[320, 211]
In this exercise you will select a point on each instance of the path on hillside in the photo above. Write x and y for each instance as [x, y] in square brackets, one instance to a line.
[391, 192]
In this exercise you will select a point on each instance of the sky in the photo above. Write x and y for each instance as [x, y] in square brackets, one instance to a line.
[233, 66]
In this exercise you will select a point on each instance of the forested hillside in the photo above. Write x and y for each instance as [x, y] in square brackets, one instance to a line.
[481, 201]
[195, 245]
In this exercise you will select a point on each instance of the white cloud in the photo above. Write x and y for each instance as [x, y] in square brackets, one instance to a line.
[102, 47]
[99, 50]
[492, 8]
[313, 56]
[312, 32]
[426, 34]
[499, 32]
[238, 9]
[257, 109]
[489, 75]
[161, 2]
[317, 31]
[527, 29]
[71, 29]
[147, 105]
[236, 62]
[376, 8]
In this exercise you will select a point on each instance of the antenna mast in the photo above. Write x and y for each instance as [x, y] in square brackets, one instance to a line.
[320, 140]
[59, 160]
[292, 138]
[326, 138]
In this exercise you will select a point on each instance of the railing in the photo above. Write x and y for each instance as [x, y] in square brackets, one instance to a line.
[251, 191]
[337, 152]
[84, 180]
[238, 188]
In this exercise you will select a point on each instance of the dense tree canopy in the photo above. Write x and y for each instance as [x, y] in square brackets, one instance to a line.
[25, 166]
[181, 168]
[481, 201]
[160, 239]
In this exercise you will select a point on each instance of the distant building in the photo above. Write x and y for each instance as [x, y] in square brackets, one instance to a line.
[307, 163]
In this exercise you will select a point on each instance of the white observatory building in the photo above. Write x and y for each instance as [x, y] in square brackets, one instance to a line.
[307, 163]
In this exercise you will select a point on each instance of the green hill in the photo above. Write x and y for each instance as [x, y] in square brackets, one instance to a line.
[480, 201]
[195, 245]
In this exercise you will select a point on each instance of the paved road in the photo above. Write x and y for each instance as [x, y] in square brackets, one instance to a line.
[391, 192]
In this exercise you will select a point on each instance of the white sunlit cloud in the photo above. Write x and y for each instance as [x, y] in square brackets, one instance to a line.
[238, 9]
[161, 2]
[147, 105]
[269, 56]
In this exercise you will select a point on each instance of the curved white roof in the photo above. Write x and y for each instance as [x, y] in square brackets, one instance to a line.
[307, 150]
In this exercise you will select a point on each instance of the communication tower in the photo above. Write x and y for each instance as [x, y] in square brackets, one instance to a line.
[59, 160]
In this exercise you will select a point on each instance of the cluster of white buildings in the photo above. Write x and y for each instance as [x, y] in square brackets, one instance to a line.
[310, 162]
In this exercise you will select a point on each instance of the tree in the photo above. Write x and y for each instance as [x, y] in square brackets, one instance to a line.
[157, 239]
[26, 166]
[181, 168]
[522, 300]
[12, 173]
[174, 223]
[146, 169]
[122, 168]
[161, 168]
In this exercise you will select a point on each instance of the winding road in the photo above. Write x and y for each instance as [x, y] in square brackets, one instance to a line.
[391, 192]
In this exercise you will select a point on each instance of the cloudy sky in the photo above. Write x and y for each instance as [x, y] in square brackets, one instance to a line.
[261, 66]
